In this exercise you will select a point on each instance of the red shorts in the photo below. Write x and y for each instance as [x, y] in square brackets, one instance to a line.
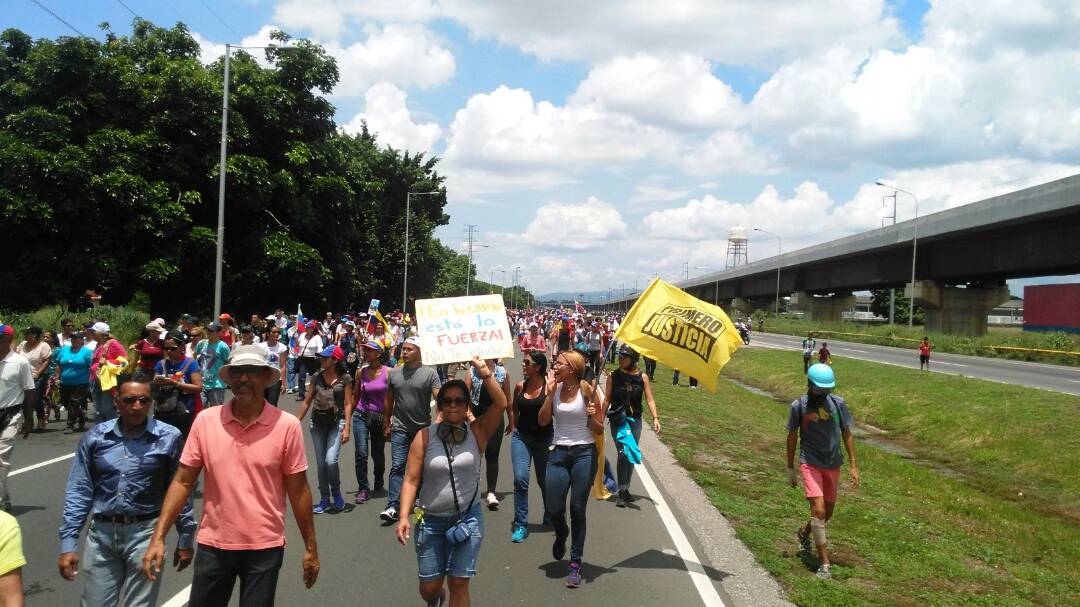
[820, 482]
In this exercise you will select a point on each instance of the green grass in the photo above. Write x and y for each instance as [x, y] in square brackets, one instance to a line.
[909, 535]
[902, 336]
[1006, 439]
[124, 323]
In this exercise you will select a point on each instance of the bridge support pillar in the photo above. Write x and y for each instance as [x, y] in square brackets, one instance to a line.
[824, 308]
[742, 307]
[956, 310]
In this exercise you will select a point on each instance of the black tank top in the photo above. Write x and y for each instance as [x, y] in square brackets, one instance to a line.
[528, 411]
[627, 391]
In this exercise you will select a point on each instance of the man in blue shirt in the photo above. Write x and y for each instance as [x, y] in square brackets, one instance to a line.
[121, 471]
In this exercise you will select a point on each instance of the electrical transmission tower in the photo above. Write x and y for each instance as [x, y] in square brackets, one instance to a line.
[470, 247]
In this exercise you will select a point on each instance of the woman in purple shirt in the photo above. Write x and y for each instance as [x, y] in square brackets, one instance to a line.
[367, 419]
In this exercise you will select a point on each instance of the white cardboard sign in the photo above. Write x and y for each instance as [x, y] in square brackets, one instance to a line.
[454, 329]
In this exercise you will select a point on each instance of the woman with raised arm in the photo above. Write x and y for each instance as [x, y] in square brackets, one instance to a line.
[446, 458]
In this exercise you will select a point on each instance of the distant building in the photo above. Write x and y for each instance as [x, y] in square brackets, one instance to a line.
[1052, 308]
[1010, 313]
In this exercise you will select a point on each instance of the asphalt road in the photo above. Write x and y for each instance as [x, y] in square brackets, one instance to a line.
[633, 556]
[1057, 378]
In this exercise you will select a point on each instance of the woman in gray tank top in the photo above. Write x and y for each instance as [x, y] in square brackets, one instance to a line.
[446, 457]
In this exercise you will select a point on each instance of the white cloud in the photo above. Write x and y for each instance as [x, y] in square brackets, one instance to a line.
[677, 92]
[988, 80]
[387, 116]
[585, 226]
[729, 152]
[652, 193]
[509, 137]
[756, 33]
[331, 18]
[405, 55]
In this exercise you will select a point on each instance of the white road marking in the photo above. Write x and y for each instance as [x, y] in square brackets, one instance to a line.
[854, 350]
[709, 596]
[41, 464]
[941, 362]
[180, 599]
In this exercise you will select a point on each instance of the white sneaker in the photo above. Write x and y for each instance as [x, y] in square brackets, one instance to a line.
[492, 502]
[390, 514]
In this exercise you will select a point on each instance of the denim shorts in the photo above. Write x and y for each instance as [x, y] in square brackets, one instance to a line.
[436, 557]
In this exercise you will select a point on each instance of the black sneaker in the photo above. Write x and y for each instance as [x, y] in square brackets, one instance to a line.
[804, 538]
[620, 501]
[558, 549]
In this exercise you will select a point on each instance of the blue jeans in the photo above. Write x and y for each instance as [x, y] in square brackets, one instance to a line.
[436, 557]
[291, 374]
[570, 470]
[327, 444]
[301, 379]
[369, 439]
[113, 560]
[624, 470]
[104, 407]
[399, 456]
[525, 449]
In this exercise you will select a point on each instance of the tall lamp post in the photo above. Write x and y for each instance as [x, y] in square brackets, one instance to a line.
[220, 256]
[405, 279]
[779, 264]
[914, 248]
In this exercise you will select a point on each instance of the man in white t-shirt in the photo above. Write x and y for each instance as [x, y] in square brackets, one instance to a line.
[17, 398]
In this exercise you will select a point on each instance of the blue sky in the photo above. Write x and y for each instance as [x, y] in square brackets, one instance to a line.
[604, 143]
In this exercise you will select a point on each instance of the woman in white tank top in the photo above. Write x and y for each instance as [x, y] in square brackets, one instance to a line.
[577, 414]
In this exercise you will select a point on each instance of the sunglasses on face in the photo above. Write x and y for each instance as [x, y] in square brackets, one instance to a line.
[171, 348]
[249, 370]
[459, 401]
[131, 400]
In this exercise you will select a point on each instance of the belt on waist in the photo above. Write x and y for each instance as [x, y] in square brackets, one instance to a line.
[125, 519]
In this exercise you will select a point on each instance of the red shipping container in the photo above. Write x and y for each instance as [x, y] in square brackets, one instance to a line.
[1052, 308]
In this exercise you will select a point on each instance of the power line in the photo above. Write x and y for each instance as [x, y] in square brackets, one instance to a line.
[59, 18]
[229, 27]
[133, 13]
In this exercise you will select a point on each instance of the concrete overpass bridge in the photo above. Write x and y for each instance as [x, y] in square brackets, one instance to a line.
[964, 257]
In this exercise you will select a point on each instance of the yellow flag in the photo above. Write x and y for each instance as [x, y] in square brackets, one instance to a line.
[681, 331]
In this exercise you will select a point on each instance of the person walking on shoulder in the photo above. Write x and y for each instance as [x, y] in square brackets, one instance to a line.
[924, 353]
[253, 455]
[444, 479]
[817, 423]
[118, 480]
[408, 406]
[808, 346]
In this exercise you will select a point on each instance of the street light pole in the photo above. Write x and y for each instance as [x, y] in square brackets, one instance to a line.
[405, 278]
[219, 258]
[779, 264]
[914, 249]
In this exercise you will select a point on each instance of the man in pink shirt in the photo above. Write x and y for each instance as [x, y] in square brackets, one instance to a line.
[254, 456]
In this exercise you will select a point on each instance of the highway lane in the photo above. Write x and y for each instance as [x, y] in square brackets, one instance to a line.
[630, 557]
[1056, 378]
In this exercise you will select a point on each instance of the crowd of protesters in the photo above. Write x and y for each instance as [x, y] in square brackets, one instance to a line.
[176, 404]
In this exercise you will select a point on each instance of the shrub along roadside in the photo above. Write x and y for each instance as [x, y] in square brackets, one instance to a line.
[908, 536]
[124, 323]
[901, 336]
